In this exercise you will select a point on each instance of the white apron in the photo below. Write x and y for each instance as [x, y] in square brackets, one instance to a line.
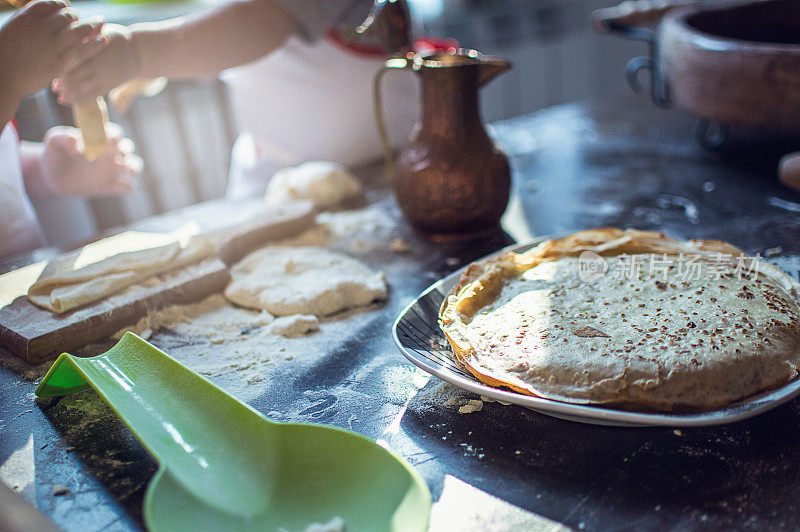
[312, 101]
[19, 227]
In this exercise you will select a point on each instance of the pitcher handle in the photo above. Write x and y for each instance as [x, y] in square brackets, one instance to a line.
[391, 64]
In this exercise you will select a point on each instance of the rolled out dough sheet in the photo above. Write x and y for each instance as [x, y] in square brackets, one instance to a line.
[111, 265]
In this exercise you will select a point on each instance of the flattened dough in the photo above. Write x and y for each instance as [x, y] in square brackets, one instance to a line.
[328, 185]
[304, 280]
[79, 278]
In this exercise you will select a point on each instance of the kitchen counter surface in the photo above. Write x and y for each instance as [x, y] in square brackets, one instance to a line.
[575, 167]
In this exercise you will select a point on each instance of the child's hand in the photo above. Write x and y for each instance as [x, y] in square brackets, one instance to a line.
[95, 74]
[66, 171]
[35, 45]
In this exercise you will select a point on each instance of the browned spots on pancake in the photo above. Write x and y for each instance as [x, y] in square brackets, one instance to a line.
[589, 332]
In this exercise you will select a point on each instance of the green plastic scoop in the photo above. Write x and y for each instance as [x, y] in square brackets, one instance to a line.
[226, 467]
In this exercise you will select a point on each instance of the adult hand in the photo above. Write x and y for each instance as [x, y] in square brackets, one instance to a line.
[35, 44]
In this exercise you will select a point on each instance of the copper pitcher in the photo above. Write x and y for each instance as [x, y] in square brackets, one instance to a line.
[452, 182]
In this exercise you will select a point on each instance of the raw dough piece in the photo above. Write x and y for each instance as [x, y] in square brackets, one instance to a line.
[213, 319]
[65, 284]
[328, 185]
[294, 326]
[303, 280]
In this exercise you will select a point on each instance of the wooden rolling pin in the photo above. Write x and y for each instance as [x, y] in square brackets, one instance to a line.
[91, 118]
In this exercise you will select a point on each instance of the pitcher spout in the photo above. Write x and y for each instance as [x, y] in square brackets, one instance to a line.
[490, 68]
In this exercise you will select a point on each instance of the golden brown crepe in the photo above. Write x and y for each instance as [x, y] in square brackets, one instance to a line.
[670, 326]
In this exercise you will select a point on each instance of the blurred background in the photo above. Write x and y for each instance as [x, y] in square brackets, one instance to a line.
[185, 133]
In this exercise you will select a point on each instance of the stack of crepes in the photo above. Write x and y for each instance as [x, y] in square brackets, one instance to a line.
[661, 325]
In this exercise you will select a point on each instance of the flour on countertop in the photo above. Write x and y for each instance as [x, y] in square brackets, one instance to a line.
[217, 322]
[316, 235]
[358, 231]
[213, 319]
[239, 349]
[369, 220]
[439, 394]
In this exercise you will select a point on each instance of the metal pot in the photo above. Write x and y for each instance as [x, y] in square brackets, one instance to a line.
[728, 63]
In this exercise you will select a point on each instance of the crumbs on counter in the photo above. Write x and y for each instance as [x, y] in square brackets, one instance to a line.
[400, 245]
[490, 400]
[60, 489]
[293, 326]
[473, 405]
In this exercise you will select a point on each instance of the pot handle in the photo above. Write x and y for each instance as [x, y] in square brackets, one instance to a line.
[391, 64]
[634, 14]
[635, 19]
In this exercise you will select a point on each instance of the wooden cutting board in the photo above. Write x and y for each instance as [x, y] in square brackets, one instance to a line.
[36, 335]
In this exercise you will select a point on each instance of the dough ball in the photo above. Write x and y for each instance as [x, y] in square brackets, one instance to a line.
[303, 280]
[328, 185]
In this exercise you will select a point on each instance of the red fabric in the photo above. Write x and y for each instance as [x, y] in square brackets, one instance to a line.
[15, 125]
[429, 45]
[354, 47]
[425, 45]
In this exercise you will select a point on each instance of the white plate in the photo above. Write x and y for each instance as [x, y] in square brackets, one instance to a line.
[416, 332]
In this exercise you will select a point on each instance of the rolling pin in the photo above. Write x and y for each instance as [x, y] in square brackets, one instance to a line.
[91, 118]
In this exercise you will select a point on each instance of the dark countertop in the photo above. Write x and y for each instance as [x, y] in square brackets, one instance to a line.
[504, 467]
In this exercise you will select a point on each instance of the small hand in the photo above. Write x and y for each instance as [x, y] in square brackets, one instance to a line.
[91, 72]
[66, 171]
[35, 41]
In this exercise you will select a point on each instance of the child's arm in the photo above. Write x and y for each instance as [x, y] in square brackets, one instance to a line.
[184, 47]
[57, 166]
[34, 45]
